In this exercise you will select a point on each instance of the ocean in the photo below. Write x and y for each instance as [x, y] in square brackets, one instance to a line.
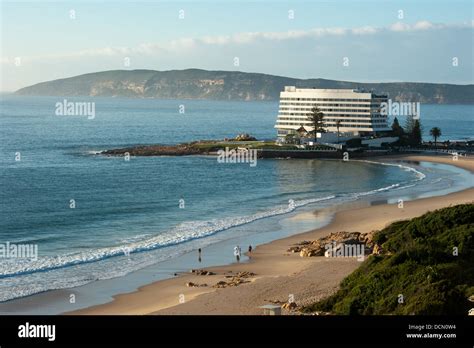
[94, 217]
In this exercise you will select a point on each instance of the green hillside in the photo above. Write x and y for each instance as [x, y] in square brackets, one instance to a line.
[418, 263]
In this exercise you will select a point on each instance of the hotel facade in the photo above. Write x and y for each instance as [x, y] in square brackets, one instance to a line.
[359, 112]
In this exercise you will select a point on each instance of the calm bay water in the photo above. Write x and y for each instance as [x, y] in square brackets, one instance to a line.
[134, 206]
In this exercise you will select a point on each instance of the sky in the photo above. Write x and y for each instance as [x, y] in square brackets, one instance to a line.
[365, 41]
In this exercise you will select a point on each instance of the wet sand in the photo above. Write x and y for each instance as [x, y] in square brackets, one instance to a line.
[278, 274]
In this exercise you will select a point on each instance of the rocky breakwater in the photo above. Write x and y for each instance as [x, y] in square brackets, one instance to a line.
[200, 147]
[157, 150]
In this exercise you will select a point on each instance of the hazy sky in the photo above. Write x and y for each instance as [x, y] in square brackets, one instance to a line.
[426, 41]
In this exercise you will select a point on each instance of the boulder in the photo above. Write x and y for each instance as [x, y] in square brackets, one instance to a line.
[245, 274]
[318, 247]
[202, 272]
[290, 305]
[309, 252]
[220, 284]
[244, 137]
[377, 249]
[294, 249]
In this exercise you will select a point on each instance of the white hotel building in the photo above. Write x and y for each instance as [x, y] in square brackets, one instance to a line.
[358, 111]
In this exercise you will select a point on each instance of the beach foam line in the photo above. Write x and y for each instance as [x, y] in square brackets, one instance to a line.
[19, 288]
[94, 152]
[419, 174]
[184, 232]
[212, 227]
[382, 189]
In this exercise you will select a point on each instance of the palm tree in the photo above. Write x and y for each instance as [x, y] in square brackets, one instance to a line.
[316, 117]
[435, 132]
[338, 124]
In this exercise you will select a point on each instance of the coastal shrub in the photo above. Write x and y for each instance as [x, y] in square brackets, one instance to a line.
[356, 142]
[419, 262]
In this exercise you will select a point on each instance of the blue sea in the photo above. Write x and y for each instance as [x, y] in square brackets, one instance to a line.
[134, 206]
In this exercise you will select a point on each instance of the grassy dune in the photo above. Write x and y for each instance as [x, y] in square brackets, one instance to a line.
[418, 262]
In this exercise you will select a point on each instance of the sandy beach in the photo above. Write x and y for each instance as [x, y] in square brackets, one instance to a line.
[273, 274]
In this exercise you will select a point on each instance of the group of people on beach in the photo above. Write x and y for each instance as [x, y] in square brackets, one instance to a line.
[237, 252]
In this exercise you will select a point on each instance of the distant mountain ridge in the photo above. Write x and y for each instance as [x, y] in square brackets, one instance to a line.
[231, 85]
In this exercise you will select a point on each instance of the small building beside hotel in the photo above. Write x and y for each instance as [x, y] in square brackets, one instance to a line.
[359, 112]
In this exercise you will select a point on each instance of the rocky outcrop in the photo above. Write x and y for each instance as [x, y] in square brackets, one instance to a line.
[234, 280]
[156, 150]
[320, 246]
[245, 274]
[244, 137]
[201, 272]
[310, 251]
[290, 306]
[201, 147]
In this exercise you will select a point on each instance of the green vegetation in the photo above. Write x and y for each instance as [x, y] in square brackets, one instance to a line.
[316, 117]
[419, 262]
[410, 135]
[416, 137]
[356, 142]
[210, 146]
[204, 147]
[213, 145]
[435, 132]
[291, 139]
[396, 128]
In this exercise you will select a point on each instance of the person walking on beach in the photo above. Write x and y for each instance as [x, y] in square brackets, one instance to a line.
[250, 248]
[199, 252]
[237, 252]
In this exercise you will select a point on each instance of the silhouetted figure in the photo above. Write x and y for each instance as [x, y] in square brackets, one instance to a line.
[199, 257]
[250, 248]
